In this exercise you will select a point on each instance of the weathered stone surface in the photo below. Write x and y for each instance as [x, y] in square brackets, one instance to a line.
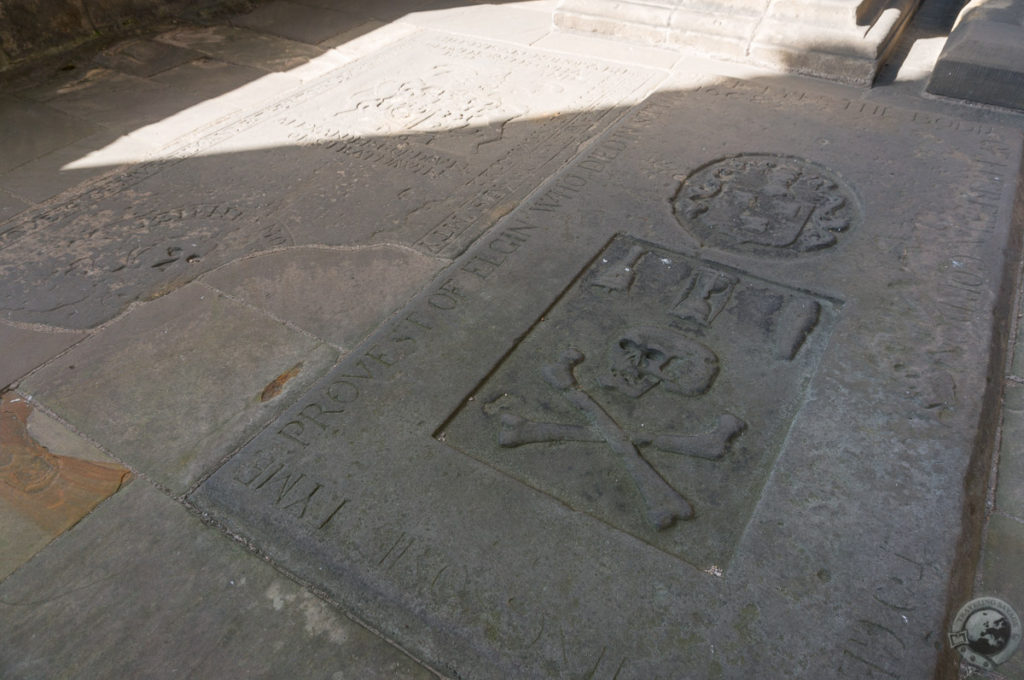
[16, 115]
[183, 381]
[10, 205]
[366, 285]
[505, 477]
[208, 78]
[145, 590]
[44, 490]
[24, 349]
[241, 46]
[143, 58]
[116, 101]
[425, 145]
[508, 22]
[301, 22]
[983, 58]
[844, 40]
[65, 168]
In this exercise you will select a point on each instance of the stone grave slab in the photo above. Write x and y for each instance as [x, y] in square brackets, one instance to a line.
[703, 406]
[424, 145]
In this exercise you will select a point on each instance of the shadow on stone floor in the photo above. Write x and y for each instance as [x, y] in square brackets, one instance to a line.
[274, 243]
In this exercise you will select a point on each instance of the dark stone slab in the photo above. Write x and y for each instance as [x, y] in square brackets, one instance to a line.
[17, 115]
[706, 405]
[426, 144]
[142, 589]
[300, 22]
[983, 59]
[143, 58]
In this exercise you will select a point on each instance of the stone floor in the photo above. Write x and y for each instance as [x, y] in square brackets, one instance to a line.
[197, 225]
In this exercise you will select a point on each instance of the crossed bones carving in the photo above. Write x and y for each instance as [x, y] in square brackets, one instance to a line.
[663, 504]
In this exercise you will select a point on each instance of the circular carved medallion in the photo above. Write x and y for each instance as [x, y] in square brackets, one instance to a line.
[765, 204]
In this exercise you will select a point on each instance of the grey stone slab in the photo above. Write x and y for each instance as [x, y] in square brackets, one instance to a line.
[242, 46]
[844, 40]
[67, 167]
[500, 22]
[142, 589]
[300, 22]
[983, 58]
[143, 58]
[29, 130]
[24, 349]
[10, 205]
[619, 50]
[117, 101]
[340, 295]
[700, 407]
[426, 144]
[177, 384]
[207, 77]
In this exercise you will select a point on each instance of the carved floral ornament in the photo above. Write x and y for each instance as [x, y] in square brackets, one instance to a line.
[765, 204]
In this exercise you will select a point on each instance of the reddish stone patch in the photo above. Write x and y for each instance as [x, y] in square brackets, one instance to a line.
[276, 386]
[50, 490]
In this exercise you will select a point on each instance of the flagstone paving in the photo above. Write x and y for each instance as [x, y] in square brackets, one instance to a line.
[420, 339]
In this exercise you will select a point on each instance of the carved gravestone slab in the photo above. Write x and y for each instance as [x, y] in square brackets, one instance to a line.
[706, 405]
[631, 400]
[424, 144]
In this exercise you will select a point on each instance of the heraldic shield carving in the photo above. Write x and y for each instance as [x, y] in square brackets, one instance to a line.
[654, 397]
[764, 204]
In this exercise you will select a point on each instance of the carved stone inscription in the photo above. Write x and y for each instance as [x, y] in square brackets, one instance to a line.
[425, 144]
[643, 399]
[765, 204]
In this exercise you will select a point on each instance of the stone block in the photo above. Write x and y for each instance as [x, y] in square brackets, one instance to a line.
[983, 59]
[840, 40]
